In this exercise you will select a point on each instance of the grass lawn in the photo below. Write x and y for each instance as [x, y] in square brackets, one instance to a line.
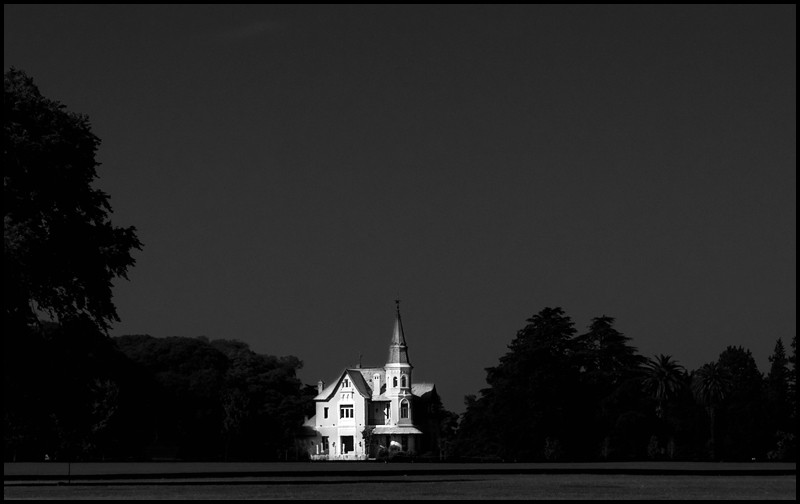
[514, 486]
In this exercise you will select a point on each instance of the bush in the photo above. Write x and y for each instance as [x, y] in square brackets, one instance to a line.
[401, 456]
[786, 448]
[552, 449]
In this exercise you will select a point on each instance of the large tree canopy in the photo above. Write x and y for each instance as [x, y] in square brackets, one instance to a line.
[61, 251]
[214, 400]
[606, 354]
[555, 396]
[529, 392]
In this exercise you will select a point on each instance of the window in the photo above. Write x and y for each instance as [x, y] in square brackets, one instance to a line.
[346, 383]
[346, 411]
[325, 443]
[394, 382]
[325, 412]
[403, 381]
[404, 409]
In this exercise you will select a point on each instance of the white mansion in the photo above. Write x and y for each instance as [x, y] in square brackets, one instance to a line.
[373, 411]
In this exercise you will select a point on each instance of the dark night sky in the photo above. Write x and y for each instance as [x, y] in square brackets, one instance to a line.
[292, 169]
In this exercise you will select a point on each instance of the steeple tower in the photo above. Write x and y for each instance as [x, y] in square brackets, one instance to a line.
[398, 351]
[398, 375]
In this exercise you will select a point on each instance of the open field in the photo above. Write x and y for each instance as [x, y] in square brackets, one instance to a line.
[536, 486]
[394, 481]
[101, 470]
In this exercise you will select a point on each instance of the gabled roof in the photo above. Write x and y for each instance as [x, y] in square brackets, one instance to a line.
[327, 391]
[369, 372]
[359, 382]
[357, 379]
[361, 378]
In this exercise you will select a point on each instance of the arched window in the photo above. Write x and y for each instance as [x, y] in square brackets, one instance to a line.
[404, 409]
[394, 382]
[403, 381]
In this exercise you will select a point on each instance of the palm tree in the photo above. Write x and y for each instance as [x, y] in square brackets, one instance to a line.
[663, 380]
[710, 385]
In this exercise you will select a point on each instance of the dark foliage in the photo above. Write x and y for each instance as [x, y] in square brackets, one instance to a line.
[742, 423]
[146, 398]
[263, 402]
[61, 251]
[710, 385]
[556, 396]
[63, 394]
[217, 400]
[62, 375]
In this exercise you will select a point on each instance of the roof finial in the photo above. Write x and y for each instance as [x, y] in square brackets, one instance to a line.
[397, 302]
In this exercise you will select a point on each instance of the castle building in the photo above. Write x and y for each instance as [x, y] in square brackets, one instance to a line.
[369, 412]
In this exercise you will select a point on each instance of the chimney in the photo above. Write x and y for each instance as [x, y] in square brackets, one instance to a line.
[320, 386]
[376, 385]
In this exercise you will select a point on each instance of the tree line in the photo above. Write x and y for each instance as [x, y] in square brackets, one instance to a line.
[72, 392]
[561, 396]
[138, 397]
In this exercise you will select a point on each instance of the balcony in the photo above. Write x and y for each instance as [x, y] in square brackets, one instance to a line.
[352, 456]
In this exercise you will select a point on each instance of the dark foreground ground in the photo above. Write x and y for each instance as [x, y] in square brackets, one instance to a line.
[399, 481]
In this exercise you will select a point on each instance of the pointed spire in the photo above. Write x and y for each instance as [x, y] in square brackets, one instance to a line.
[398, 337]
[398, 352]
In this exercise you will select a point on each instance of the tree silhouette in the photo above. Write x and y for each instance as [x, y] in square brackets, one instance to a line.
[710, 384]
[793, 381]
[531, 393]
[779, 388]
[778, 377]
[61, 252]
[605, 353]
[609, 366]
[743, 419]
[663, 380]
